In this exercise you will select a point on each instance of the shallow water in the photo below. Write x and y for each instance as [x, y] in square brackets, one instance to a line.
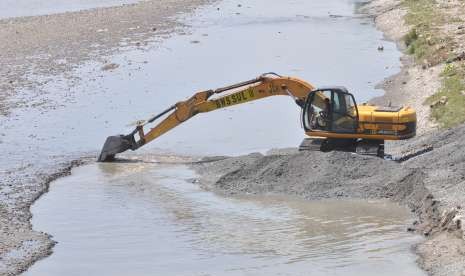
[18, 8]
[149, 219]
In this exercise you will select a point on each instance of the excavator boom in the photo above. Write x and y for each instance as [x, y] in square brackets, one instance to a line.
[266, 85]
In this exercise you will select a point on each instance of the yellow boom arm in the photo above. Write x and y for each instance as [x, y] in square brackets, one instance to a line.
[264, 86]
[256, 89]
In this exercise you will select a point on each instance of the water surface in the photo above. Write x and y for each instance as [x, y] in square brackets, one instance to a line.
[148, 219]
[18, 8]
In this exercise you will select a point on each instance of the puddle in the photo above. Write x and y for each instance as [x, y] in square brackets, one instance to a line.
[18, 8]
[146, 219]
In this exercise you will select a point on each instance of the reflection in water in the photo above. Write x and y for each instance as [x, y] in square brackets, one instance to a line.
[146, 219]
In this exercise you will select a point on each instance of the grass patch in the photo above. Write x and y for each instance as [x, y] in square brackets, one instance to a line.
[424, 41]
[453, 87]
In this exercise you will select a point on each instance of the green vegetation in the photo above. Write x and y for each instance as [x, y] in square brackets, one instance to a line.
[453, 87]
[430, 47]
[423, 41]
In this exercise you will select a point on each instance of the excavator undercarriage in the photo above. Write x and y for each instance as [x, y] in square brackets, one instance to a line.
[359, 146]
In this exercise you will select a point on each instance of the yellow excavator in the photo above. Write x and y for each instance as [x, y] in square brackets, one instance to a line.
[330, 116]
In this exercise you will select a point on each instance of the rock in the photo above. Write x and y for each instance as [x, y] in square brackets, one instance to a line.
[447, 217]
[154, 29]
[442, 101]
[461, 27]
[458, 57]
[195, 41]
[381, 48]
[457, 221]
[429, 41]
[463, 92]
[239, 5]
[109, 66]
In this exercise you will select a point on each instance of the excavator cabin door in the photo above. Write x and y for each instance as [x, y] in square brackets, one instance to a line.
[330, 110]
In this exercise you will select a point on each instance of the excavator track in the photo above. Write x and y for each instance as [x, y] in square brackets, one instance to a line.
[362, 147]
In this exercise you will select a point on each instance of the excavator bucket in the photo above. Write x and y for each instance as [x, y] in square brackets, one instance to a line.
[114, 145]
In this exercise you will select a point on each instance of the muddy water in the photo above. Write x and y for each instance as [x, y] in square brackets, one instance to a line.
[17, 8]
[149, 219]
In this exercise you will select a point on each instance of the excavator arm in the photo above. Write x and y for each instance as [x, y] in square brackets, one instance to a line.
[266, 85]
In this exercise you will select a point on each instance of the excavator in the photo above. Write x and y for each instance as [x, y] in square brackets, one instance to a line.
[331, 118]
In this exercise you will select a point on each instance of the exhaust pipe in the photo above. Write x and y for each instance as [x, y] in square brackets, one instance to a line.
[116, 144]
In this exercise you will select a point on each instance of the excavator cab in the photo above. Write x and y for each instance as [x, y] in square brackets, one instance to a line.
[330, 110]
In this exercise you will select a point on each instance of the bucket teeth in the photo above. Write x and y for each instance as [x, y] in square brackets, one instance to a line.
[114, 145]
